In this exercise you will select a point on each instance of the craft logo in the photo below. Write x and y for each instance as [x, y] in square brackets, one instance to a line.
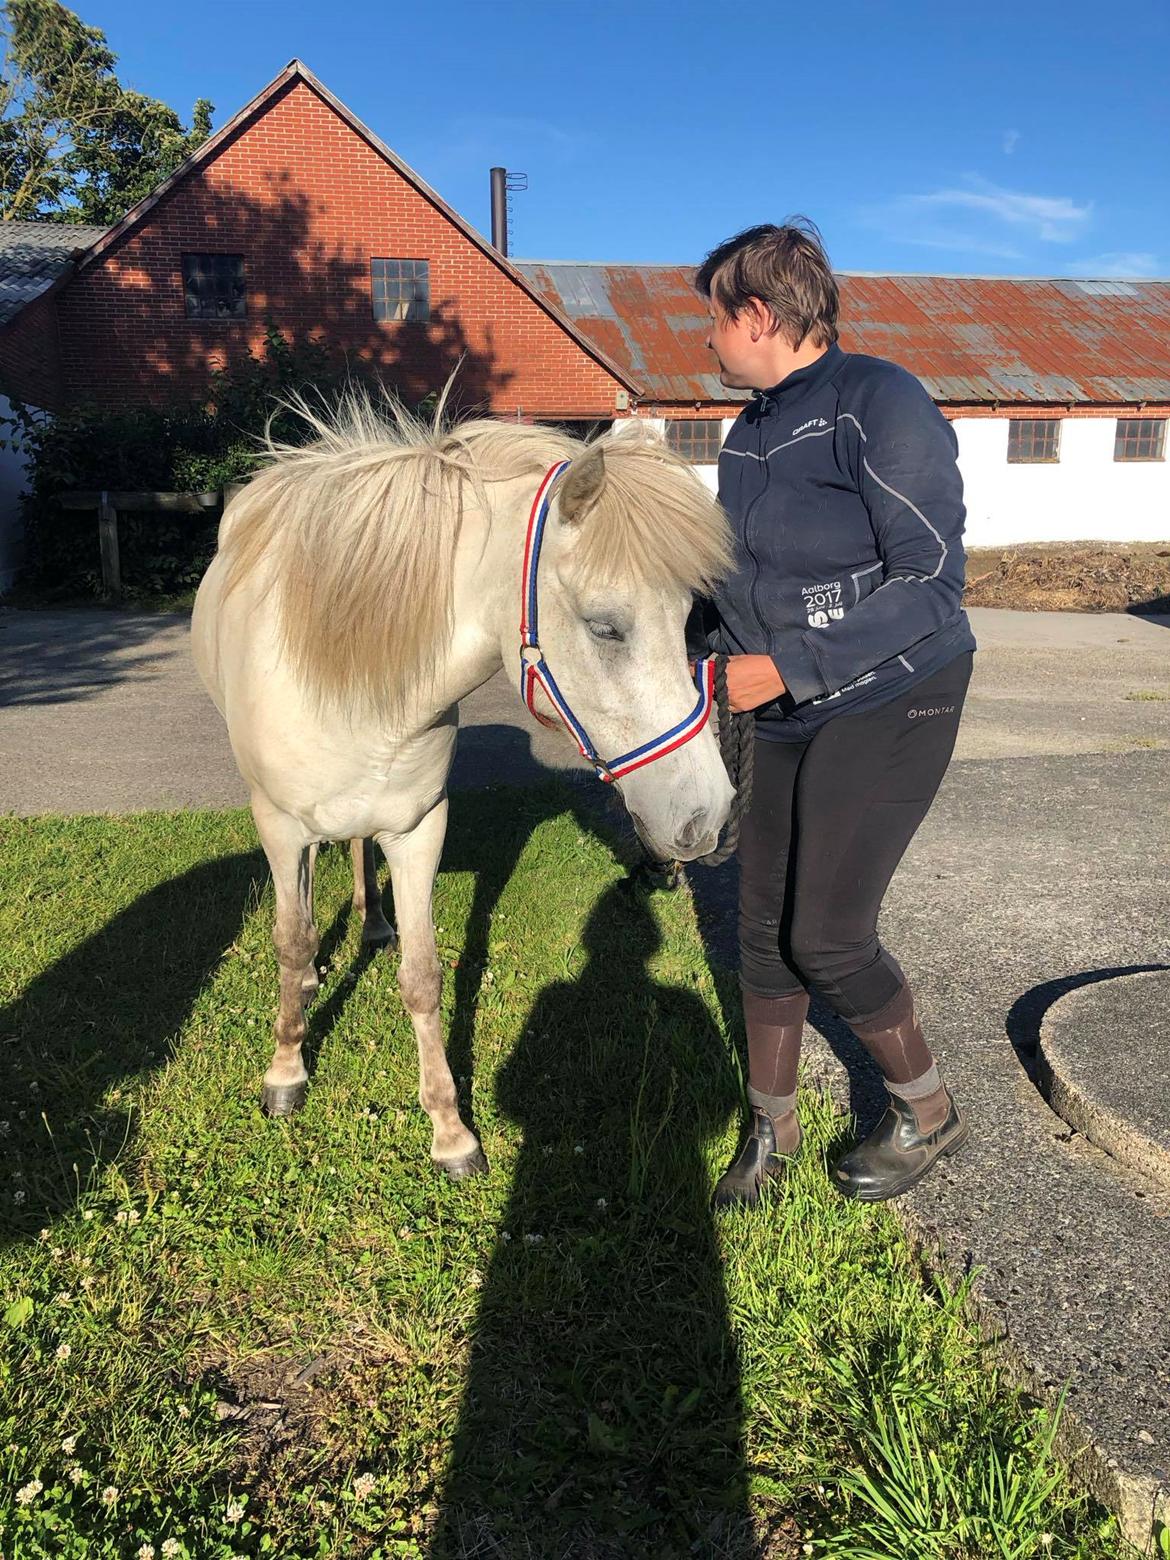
[822, 603]
[813, 422]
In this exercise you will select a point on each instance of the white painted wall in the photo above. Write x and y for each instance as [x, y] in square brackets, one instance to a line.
[11, 487]
[1086, 496]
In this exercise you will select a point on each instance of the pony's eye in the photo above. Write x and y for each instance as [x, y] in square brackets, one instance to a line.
[601, 630]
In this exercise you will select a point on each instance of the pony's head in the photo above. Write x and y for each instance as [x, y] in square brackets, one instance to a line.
[632, 533]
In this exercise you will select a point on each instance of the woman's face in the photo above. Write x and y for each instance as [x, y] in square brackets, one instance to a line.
[744, 347]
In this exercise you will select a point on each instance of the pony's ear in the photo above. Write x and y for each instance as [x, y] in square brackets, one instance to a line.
[582, 486]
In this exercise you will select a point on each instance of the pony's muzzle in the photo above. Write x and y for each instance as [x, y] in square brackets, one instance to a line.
[698, 836]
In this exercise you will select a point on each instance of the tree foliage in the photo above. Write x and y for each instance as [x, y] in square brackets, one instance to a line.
[75, 145]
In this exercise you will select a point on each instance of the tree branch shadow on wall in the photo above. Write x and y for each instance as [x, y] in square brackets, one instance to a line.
[313, 290]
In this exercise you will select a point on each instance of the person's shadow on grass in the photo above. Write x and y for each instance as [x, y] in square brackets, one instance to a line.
[602, 1413]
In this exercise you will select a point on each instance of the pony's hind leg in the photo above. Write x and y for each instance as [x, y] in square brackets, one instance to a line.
[367, 896]
[414, 860]
[291, 858]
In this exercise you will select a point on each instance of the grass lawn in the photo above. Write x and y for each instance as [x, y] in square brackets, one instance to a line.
[222, 1335]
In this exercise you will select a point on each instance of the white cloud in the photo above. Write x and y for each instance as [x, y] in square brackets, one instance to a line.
[1053, 218]
[1011, 139]
[1118, 263]
[978, 217]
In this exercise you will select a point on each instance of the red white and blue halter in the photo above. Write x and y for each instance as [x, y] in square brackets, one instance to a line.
[535, 669]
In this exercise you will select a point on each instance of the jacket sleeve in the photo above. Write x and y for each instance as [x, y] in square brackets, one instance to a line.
[909, 482]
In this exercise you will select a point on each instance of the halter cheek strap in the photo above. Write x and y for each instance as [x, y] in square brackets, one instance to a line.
[535, 670]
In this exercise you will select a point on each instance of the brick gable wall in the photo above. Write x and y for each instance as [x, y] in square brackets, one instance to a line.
[30, 363]
[308, 202]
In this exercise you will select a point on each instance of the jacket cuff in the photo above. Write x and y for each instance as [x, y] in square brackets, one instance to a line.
[797, 665]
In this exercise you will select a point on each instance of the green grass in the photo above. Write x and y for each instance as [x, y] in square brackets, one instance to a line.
[292, 1338]
[1148, 696]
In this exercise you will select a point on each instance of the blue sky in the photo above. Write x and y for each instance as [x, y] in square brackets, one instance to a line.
[1003, 139]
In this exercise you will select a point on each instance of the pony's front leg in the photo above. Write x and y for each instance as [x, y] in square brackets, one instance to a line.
[367, 896]
[294, 936]
[414, 860]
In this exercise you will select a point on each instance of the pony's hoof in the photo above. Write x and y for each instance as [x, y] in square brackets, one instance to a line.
[378, 933]
[463, 1169]
[282, 1099]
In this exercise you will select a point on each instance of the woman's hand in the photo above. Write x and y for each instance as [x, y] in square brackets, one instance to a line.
[752, 680]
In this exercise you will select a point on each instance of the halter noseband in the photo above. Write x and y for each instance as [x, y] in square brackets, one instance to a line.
[535, 669]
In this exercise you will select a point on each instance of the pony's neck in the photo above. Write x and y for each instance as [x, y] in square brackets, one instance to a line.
[489, 563]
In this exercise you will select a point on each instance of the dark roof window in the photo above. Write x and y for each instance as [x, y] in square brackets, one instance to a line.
[697, 439]
[1034, 441]
[213, 286]
[1140, 438]
[401, 290]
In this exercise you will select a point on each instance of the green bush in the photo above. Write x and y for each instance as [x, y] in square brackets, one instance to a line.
[184, 448]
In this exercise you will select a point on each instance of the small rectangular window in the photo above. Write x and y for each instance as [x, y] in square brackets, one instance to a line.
[578, 427]
[697, 439]
[214, 287]
[1034, 440]
[1140, 438]
[401, 290]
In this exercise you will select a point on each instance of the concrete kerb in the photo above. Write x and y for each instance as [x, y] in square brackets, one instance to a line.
[1104, 1066]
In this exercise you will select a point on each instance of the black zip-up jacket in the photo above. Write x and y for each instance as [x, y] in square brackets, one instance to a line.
[847, 506]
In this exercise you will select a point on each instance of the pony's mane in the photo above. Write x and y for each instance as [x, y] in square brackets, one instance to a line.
[357, 530]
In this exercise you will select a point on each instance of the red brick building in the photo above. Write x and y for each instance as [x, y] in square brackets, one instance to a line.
[296, 212]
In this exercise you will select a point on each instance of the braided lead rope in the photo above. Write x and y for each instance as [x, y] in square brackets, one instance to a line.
[737, 747]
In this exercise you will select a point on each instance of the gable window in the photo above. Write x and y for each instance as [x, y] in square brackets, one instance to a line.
[213, 286]
[1034, 440]
[401, 290]
[1140, 438]
[697, 439]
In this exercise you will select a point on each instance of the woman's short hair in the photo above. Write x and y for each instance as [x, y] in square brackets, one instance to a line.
[786, 268]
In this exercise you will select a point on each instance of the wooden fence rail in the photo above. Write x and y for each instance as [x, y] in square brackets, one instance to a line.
[108, 503]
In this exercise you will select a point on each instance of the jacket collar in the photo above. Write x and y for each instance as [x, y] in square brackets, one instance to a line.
[801, 382]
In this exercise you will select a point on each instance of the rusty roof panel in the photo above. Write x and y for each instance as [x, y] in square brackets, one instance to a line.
[971, 340]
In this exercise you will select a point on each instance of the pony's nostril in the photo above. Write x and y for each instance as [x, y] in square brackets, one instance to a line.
[693, 830]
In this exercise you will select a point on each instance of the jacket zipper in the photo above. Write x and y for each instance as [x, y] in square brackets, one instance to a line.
[753, 596]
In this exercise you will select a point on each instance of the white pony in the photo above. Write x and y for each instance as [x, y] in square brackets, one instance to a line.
[367, 582]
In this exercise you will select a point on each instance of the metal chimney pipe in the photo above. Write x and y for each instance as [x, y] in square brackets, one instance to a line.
[500, 209]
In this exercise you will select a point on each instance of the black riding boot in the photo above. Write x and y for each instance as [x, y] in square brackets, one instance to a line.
[897, 1153]
[769, 1144]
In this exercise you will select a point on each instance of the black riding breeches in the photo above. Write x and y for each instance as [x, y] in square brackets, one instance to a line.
[830, 819]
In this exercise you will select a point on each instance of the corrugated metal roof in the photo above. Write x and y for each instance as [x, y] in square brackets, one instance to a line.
[969, 339]
[33, 255]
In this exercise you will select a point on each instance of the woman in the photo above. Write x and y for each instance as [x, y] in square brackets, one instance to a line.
[847, 637]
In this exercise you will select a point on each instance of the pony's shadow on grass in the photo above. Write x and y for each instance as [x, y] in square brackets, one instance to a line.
[498, 783]
[602, 1413]
[101, 1015]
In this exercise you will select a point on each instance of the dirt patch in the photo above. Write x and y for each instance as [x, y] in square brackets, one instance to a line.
[1071, 577]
